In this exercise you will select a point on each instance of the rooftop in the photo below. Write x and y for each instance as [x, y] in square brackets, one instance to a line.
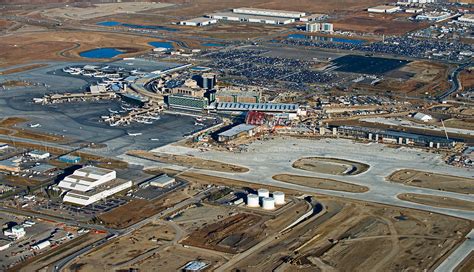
[162, 179]
[383, 7]
[103, 187]
[249, 16]
[260, 10]
[91, 170]
[236, 130]
[198, 20]
[257, 106]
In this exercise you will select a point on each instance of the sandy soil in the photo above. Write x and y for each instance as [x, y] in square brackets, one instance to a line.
[467, 265]
[139, 209]
[231, 235]
[319, 183]
[188, 161]
[100, 10]
[426, 77]
[467, 79]
[330, 166]
[387, 24]
[433, 181]
[357, 236]
[47, 259]
[438, 201]
[459, 123]
[201, 7]
[112, 255]
[173, 258]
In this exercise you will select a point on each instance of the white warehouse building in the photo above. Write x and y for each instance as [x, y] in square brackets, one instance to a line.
[270, 12]
[200, 21]
[91, 184]
[235, 17]
[384, 9]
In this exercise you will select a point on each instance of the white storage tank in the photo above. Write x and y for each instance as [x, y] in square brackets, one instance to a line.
[268, 203]
[279, 198]
[252, 200]
[262, 193]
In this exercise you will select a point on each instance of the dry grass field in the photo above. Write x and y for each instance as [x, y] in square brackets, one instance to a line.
[64, 45]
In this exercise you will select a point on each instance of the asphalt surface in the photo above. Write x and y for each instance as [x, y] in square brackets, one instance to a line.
[268, 158]
[462, 252]
[81, 121]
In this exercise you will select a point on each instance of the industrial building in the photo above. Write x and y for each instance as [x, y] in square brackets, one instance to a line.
[41, 245]
[384, 9]
[238, 131]
[162, 181]
[414, 10]
[394, 137]
[91, 184]
[10, 165]
[313, 17]
[200, 21]
[15, 232]
[422, 117]
[236, 17]
[195, 266]
[39, 155]
[69, 159]
[270, 12]
[433, 16]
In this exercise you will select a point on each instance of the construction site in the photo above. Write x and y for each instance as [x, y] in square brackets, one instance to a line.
[236, 136]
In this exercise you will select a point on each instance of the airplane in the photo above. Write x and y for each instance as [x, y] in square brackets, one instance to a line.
[134, 134]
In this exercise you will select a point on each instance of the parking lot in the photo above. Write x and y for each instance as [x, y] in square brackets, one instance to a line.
[86, 213]
[253, 67]
[400, 46]
[152, 192]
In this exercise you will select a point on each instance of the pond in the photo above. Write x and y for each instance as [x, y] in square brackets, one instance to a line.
[168, 45]
[213, 44]
[101, 53]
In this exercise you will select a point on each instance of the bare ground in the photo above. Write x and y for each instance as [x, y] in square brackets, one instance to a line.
[320, 183]
[433, 181]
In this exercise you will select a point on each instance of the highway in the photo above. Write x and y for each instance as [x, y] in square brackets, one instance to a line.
[115, 234]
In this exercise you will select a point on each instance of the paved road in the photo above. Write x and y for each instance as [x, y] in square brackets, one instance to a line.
[455, 259]
[120, 233]
[454, 81]
[267, 158]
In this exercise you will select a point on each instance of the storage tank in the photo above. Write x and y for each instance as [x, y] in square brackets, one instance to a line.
[263, 193]
[252, 200]
[268, 203]
[279, 197]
